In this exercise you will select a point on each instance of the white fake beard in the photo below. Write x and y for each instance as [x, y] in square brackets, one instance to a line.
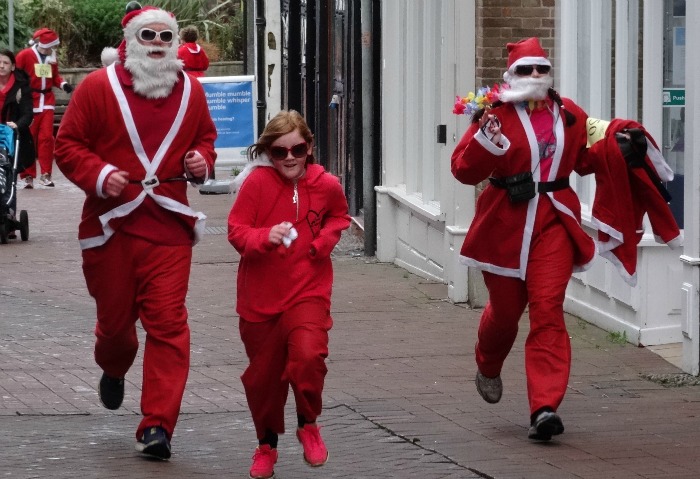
[526, 88]
[153, 77]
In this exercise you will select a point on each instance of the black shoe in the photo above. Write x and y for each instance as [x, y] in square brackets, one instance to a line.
[154, 443]
[545, 425]
[111, 392]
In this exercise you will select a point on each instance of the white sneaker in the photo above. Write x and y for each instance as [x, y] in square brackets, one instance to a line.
[45, 180]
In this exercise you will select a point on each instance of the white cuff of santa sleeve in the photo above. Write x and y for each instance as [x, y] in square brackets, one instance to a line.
[99, 187]
[490, 146]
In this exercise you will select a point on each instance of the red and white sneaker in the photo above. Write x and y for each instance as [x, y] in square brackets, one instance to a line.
[315, 452]
[264, 461]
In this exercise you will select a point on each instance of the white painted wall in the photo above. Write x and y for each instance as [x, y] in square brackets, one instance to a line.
[422, 212]
[690, 302]
[649, 313]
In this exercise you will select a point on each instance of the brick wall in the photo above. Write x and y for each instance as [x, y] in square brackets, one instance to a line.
[502, 21]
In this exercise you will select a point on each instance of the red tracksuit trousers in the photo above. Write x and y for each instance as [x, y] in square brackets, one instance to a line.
[131, 278]
[547, 348]
[289, 349]
[42, 132]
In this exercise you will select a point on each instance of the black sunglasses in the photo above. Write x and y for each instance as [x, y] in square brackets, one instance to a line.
[526, 70]
[280, 152]
[148, 35]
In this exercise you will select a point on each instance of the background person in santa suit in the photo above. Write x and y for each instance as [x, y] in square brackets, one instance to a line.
[192, 54]
[526, 236]
[132, 134]
[39, 62]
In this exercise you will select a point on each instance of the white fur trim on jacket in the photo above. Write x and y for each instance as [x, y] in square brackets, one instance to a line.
[109, 55]
[146, 18]
[261, 160]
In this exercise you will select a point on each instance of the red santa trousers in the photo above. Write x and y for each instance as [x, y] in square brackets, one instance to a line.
[547, 348]
[42, 132]
[288, 349]
[131, 278]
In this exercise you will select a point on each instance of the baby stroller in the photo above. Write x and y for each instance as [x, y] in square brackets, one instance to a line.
[9, 147]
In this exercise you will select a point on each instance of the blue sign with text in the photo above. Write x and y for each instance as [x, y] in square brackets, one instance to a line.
[232, 107]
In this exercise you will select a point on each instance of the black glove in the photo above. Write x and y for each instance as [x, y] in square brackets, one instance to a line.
[67, 88]
[634, 148]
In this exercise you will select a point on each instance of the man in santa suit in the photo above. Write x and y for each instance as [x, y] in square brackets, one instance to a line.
[39, 62]
[526, 236]
[133, 134]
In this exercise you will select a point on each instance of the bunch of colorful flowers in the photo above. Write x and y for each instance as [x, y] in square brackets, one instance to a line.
[473, 102]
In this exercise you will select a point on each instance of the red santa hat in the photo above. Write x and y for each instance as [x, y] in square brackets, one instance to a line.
[45, 38]
[136, 18]
[526, 52]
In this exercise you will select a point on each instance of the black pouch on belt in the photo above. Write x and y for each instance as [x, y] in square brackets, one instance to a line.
[520, 187]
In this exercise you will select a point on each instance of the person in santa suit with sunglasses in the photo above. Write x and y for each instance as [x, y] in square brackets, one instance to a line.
[133, 136]
[287, 217]
[526, 235]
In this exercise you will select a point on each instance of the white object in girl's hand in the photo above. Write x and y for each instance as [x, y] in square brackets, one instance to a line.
[289, 237]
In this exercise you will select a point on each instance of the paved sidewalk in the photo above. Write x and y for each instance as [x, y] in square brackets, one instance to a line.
[400, 400]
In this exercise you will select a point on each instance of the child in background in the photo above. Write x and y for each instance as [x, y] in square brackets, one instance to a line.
[287, 217]
[194, 59]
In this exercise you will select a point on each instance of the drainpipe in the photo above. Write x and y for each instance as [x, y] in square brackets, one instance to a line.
[244, 12]
[260, 60]
[368, 194]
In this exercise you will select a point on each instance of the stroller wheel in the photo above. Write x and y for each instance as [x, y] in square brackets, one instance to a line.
[3, 233]
[24, 225]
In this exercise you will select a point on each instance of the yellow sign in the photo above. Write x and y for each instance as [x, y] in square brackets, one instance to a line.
[42, 70]
[595, 129]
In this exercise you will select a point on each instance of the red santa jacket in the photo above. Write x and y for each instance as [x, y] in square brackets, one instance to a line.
[499, 237]
[624, 195]
[270, 278]
[41, 79]
[194, 58]
[98, 135]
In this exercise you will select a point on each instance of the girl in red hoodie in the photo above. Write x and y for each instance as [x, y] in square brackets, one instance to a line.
[287, 217]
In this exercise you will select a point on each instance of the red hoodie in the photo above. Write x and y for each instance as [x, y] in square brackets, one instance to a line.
[273, 278]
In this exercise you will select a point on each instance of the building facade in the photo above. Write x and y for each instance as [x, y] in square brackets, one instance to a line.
[377, 80]
[617, 59]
